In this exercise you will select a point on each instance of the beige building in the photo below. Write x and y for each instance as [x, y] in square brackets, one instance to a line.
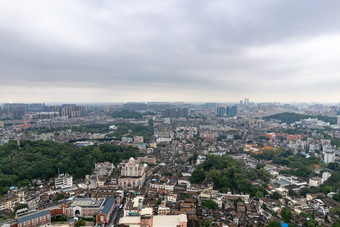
[132, 174]
[9, 203]
[138, 139]
[315, 182]
[146, 159]
[163, 209]
[147, 219]
[2, 124]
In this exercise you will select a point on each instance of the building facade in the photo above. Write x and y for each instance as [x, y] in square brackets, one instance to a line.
[329, 156]
[103, 168]
[35, 219]
[63, 181]
[132, 174]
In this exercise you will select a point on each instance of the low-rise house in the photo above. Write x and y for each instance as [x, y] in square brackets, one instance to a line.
[103, 168]
[163, 209]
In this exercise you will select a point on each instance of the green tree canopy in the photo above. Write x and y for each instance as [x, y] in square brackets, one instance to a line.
[210, 204]
[286, 214]
[41, 159]
[274, 223]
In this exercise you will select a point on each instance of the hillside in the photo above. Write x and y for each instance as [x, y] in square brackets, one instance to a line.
[292, 117]
[41, 159]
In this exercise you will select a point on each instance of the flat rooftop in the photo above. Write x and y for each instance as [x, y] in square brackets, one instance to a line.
[86, 203]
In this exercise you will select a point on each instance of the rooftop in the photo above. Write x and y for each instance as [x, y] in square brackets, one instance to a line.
[169, 220]
[86, 203]
[33, 216]
[107, 206]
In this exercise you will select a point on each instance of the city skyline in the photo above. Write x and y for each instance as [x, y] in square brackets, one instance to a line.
[177, 51]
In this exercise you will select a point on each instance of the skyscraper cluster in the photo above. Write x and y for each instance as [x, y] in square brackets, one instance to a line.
[223, 110]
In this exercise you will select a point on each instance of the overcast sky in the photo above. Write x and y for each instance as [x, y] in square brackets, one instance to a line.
[176, 50]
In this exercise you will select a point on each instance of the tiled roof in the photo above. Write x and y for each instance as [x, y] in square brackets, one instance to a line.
[33, 216]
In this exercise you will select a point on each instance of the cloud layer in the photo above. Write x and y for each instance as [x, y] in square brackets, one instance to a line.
[178, 50]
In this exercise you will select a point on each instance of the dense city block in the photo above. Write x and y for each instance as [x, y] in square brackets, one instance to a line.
[169, 164]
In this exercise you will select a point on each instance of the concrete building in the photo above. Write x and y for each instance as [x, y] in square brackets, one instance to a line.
[148, 219]
[163, 209]
[175, 113]
[8, 203]
[2, 124]
[232, 111]
[329, 156]
[132, 174]
[221, 110]
[315, 182]
[63, 181]
[103, 168]
[133, 106]
[338, 120]
[138, 139]
[326, 175]
[72, 110]
[146, 159]
[133, 206]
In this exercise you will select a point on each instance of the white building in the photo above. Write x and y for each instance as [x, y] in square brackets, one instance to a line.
[103, 168]
[163, 139]
[329, 156]
[63, 181]
[315, 182]
[113, 127]
[338, 121]
[132, 174]
[326, 175]
[200, 159]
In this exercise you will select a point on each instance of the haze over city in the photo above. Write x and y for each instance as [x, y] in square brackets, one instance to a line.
[192, 51]
[169, 113]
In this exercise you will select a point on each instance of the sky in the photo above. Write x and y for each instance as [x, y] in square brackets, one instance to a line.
[169, 50]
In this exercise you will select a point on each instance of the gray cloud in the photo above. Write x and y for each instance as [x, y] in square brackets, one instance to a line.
[179, 50]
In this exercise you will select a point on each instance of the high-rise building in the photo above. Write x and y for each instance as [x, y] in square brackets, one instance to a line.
[175, 113]
[329, 156]
[182, 112]
[338, 120]
[232, 111]
[246, 101]
[134, 106]
[15, 110]
[221, 111]
[69, 110]
[159, 106]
